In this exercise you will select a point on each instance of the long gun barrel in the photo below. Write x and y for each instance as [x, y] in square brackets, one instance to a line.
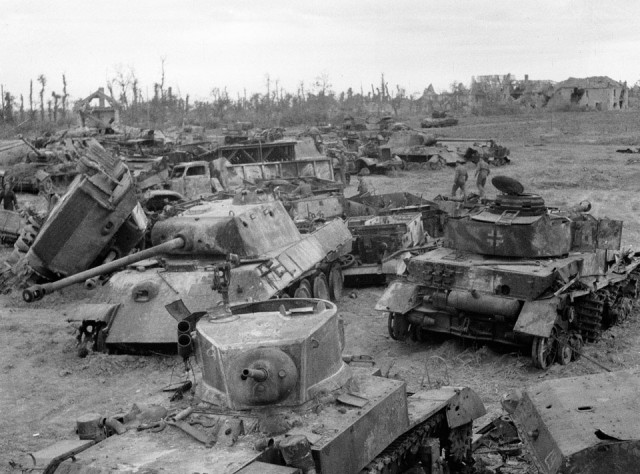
[37, 292]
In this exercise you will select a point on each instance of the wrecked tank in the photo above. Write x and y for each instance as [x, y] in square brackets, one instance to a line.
[275, 396]
[519, 273]
[580, 425]
[97, 219]
[269, 257]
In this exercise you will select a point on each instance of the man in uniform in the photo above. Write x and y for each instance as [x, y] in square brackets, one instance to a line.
[460, 179]
[8, 197]
[363, 187]
[482, 171]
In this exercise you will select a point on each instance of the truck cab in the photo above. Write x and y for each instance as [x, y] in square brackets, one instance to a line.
[193, 179]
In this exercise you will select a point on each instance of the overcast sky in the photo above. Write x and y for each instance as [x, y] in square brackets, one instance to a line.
[235, 43]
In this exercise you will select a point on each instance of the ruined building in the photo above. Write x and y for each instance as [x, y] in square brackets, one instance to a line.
[597, 92]
[101, 114]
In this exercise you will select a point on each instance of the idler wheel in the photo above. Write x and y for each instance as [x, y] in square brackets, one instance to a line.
[336, 282]
[303, 290]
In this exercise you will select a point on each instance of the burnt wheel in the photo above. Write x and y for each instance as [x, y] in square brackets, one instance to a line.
[565, 353]
[543, 351]
[398, 326]
[303, 290]
[321, 287]
[336, 282]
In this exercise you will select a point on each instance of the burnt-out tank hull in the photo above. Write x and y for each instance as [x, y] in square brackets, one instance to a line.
[302, 265]
[272, 375]
[587, 425]
[517, 273]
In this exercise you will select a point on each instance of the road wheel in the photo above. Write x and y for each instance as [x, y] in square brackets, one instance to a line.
[336, 282]
[303, 290]
[543, 351]
[565, 353]
[398, 326]
[321, 287]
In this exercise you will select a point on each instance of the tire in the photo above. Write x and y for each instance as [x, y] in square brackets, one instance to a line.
[398, 326]
[336, 282]
[321, 287]
[303, 290]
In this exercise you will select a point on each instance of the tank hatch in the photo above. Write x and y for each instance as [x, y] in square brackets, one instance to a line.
[272, 353]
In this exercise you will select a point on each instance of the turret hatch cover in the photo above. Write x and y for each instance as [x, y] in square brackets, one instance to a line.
[508, 185]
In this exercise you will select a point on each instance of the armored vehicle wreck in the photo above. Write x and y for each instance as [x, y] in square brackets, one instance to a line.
[519, 273]
[580, 425]
[277, 397]
[269, 255]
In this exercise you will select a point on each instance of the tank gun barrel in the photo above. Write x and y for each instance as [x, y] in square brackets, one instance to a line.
[37, 292]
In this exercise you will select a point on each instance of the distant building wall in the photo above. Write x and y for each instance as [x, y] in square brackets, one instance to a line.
[613, 98]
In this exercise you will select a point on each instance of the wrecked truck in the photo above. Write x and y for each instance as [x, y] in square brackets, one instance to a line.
[519, 273]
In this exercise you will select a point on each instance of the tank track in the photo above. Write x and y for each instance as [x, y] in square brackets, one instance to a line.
[606, 307]
[391, 459]
[590, 311]
[395, 457]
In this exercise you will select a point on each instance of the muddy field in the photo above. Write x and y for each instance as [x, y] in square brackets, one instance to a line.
[566, 158]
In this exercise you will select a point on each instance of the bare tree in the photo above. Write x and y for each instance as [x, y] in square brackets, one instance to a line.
[64, 96]
[43, 82]
[56, 98]
[32, 114]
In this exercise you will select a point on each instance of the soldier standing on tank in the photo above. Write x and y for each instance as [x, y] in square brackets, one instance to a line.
[482, 171]
[460, 179]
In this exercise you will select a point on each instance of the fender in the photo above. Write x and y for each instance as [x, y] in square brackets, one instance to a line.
[537, 318]
[399, 297]
[367, 161]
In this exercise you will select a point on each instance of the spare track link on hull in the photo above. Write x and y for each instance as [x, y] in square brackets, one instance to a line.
[403, 453]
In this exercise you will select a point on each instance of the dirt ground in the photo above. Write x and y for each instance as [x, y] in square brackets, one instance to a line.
[566, 158]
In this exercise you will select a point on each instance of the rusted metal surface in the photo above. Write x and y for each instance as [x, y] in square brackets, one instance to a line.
[516, 272]
[588, 424]
[537, 318]
[272, 256]
[88, 218]
[10, 225]
[273, 369]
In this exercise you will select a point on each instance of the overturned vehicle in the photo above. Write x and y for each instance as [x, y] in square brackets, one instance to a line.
[276, 396]
[519, 273]
[253, 232]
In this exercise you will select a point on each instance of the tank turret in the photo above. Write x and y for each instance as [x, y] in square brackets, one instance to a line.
[520, 273]
[274, 395]
[252, 232]
[519, 224]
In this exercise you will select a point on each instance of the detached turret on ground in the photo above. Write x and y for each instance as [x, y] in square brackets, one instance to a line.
[269, 255]
[275, 396]
[519, 273]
